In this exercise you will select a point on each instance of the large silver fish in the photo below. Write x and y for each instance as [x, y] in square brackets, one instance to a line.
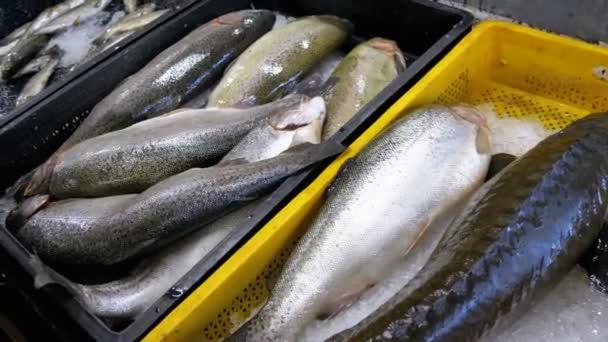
[130, 24]
[289, 129]
[377, 208]
[170, 79]
[522, 232]
[135, 158]
[130, 296]
[165, 212]
[38, 82]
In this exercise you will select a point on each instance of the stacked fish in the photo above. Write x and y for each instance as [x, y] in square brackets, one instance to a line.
[511, 241]
[27, 50]
[143, 172]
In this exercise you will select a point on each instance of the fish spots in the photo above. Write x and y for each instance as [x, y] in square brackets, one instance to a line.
[272, 68]
[179, 70]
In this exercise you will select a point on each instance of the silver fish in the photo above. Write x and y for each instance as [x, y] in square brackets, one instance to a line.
[51, 13]
[402, 181]
[38, 82]
[165, 212]
[130, 5]
[74, 17]
[130, 296]
[34, 66]
[7, 48]
[129, 25]
[135, 158]
[294, 127]
[23, 51]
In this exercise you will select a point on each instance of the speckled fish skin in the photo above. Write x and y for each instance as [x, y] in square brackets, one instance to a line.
[171, 78]
[289, 129]
[176, 74]
[135, 158]
[267, 69]
[165, 212]
[74, 16]
[38, 82]
[401, 182]
[132, 295]
[361, 75]
[25, 49]
[521, 233]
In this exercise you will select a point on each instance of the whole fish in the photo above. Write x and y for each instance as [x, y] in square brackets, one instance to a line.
[292, 128]
[376, 210]
[25, 49]
[521, 233]
[135, 158]
[132, 295]
[38, 82]
[129, 25]
[75, 16]
[51, 13]
[165, 212]
[34, 65]
[130, 5]
[171, 78]
[273, 64]
[361, 75]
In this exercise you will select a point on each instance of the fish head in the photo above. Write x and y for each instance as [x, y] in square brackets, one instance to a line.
[474, 116]
[305, 122]
[389, 48]
[262, 18]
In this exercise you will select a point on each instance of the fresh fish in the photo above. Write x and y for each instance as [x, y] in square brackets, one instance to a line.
[34, 65]
[51, 13]
[109, 44]
[38, 82]
[128, 297]
[141, 10]
[130, 5]
[7, 48]
[273, 64]
[170, 79]
[165, 212]
[361, 75]
[129, 25]
[376, 210]
[75, 16]
[292, 128]
[26, 48]
[108, 33]
[17, 33]
[521, 233]
[135, 158]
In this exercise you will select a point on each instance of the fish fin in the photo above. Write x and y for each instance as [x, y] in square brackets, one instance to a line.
[233, 162]
[39, 184]
[19, 216]
[343, 302]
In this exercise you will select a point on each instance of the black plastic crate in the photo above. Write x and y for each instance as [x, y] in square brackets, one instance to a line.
[424, 30]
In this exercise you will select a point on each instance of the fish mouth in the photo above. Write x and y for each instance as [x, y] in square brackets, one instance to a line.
[390, 48]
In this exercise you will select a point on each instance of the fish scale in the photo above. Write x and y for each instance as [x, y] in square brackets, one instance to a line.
[402, 181]
[523, 231]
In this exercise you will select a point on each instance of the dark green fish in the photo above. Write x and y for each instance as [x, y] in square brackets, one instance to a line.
[273, 64]
[361, 75]
[108, 230]
[173, 77]
[522, 232]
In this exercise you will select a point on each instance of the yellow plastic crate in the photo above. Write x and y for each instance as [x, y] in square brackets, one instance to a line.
[519, 70]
